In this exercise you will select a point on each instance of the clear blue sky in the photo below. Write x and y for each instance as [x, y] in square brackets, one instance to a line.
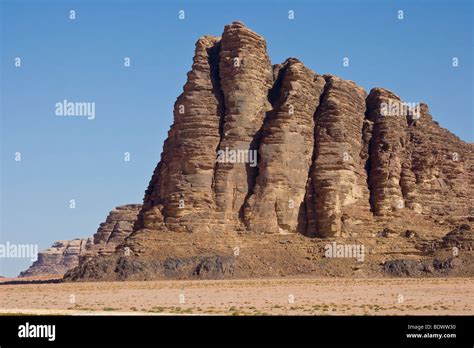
[82, 60]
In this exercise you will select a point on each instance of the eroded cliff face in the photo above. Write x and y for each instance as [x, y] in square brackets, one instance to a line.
[180, 192]
[276, 203]
[117, 226]
[60, 257]
[386, 153]
[414, 163]
[337, 177]
[307, 149]
[257, 149]
[66, 254]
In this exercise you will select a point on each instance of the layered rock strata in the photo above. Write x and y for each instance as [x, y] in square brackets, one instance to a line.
[259, 149]
[67, 254]
[60, 257]
[117, 226]
[325, 150]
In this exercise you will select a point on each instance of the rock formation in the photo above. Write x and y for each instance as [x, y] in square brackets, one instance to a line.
[117, 226]
[461, 238]
[337, 178]
[285, 152]
[66, 254]
[246, 78]
[259, 151]
[60, 257]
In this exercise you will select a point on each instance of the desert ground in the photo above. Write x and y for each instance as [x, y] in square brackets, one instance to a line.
[282, 296]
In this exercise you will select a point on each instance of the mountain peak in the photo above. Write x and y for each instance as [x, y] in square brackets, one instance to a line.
[257, 152]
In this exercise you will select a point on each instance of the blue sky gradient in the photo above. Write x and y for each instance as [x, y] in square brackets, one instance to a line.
[82, 60]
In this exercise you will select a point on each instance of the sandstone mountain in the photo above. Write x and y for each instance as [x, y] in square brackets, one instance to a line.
[117, 226]
[60, 257]
[67, 254]
[333, 164]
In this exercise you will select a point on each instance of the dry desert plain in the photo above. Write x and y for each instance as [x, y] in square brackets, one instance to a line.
[283, 296]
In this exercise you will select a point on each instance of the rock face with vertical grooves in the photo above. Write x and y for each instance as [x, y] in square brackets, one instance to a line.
[181, 189]
[276, 204]
[246, 78]
[337, 176]
[414, 163]
[332, 164]
[386, 151]
[440, 168]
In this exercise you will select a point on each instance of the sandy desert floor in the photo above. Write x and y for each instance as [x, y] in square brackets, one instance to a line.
[321, 296]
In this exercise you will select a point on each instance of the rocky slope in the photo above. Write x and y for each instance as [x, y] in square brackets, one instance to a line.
[257, 152]
[60, 257]
[67, 254]
[117, 226]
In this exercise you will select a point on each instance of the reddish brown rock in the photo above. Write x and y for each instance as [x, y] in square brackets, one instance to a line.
[337, 176]
[234, 101]
[387, 151]
[277, 202]
[180, 192]
[461, 238]
[443, 169]
[246, 78]
[337, 169]
[117, 226]
[414, 163]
